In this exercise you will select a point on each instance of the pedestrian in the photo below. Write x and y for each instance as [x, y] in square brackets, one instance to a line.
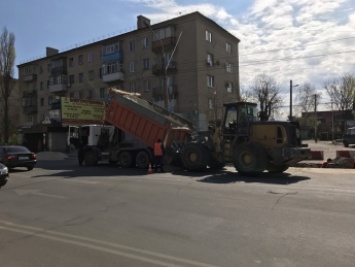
[326, 163]
[81, 152]
[39, 145]
[158, 155]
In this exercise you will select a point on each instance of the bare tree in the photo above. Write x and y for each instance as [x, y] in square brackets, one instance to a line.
[341, 91]
[7, 61]
[308, 100]
[266, 91]
[307, 96]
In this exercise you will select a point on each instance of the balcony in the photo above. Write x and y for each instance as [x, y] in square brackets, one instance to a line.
[58, 84]
[158, 92]
[55, 104]
[159, 69]
[28, 110]
[168, 42]
[116, 56]
[111, 77]
[29, 77]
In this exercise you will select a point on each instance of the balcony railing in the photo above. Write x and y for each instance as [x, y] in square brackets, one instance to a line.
[159, 69]
[168, 42]
[111, 77]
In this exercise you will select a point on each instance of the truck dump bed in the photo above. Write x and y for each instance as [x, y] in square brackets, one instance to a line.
[146, 121]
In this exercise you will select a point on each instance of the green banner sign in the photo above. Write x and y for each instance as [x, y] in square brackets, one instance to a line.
[78, 112]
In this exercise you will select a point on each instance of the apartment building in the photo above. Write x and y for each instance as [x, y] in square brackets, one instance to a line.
[189, 65]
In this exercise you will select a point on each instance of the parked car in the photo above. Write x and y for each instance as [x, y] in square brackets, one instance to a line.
[13, 156]
[349, 137]
[4, 175]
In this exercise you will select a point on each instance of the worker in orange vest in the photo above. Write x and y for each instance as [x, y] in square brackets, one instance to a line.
[158, 155]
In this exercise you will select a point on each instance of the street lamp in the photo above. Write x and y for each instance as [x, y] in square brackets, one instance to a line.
[291, 86]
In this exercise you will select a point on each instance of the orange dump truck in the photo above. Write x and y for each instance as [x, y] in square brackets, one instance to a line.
[132, 126]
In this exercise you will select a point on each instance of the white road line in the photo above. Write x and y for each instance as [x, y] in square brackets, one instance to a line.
[112, 248]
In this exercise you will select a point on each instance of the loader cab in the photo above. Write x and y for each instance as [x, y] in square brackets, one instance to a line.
[238, 117]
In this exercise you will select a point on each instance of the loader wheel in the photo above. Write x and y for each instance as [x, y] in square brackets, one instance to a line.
[142, 160]
[90, 158]
[249, 159]
[195, 157]
[125, 159]
[277, 169]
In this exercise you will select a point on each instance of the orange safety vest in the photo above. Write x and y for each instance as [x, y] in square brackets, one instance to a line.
[158, 151]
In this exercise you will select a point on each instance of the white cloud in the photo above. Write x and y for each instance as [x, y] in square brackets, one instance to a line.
[307, 41]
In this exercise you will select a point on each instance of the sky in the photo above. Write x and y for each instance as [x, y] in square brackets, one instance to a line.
[306, 41]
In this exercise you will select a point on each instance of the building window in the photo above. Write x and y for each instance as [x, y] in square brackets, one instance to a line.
[132, 67]
[146, 63]
[145, 42]
[81, 77]
[111, 67]
[91, 75]
[228, 48]
[71, 61]
[40, 70]
[80, 59]
[131, 46]
[90, 93]
[71, 79]
[50, 100]
[146, 86]
[210, 81]
[71, 95]
[42, 101]
[132, 87]
[90, 56]
[41, 87]
[210, 59]
[229, 86]
[80, 94]
[102, 93]
[211, 103]
[49, 67]
[208, 36]
[229, 67]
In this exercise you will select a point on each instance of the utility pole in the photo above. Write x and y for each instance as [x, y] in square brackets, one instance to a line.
[291, 86]
[315, 117]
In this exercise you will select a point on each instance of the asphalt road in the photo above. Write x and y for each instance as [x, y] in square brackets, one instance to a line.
[60, 214]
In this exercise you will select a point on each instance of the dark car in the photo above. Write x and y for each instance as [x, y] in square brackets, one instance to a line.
[349, 137]
[4, 175]
[17, 156]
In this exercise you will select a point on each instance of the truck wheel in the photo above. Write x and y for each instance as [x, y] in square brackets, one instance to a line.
[277, 169]
[346, 144]
[249, 159]
[195, 157]
[125, 159]
[142, 159]
[90, 158]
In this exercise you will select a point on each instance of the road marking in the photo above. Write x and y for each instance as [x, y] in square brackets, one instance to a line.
[23, 192]
[112, 248]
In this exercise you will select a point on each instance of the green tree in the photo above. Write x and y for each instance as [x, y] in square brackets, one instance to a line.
[7, 61]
